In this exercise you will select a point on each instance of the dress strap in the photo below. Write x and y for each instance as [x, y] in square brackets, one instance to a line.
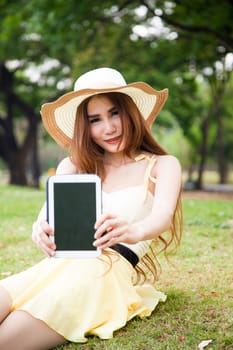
[147, 178]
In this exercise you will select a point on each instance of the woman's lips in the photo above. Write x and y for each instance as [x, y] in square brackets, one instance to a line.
[114, 140]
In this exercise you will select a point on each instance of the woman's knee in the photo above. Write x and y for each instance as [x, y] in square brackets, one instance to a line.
[5, 304]
[22, 331]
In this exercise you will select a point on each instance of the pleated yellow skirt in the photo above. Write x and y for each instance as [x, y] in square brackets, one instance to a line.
[81, 297]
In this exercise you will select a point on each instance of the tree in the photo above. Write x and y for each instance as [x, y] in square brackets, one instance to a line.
[15, 155]
[203, 45]
[153, 41]
[21, 95]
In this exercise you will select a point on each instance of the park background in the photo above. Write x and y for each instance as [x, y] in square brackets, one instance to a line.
[186, 46]
[182, 45]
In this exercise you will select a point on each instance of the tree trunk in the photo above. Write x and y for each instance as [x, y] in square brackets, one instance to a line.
[203, 151]
[34, 164]
[214, 110]
[23, 162]
[16, 153]
[17, 170]
[222, 165]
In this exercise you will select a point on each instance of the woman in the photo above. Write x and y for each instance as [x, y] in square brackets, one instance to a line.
[105, 124]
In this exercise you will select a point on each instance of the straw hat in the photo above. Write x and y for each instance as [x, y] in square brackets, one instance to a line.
[59, 116]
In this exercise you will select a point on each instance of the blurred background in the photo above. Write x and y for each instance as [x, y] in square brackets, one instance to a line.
[186, 46]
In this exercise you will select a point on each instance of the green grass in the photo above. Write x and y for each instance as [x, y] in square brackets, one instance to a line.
[198, 282]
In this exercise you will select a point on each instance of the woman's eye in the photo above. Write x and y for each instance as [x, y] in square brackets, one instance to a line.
[93, 120]
[115, 112]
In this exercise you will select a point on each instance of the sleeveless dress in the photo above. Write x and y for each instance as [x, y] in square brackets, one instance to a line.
[81, 297]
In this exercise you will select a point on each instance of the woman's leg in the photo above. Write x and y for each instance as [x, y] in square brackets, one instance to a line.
[21, 331]
[5, 303]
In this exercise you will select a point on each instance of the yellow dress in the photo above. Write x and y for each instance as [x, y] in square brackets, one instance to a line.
[81, 297]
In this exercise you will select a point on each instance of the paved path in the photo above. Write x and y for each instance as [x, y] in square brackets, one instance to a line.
[218, 188]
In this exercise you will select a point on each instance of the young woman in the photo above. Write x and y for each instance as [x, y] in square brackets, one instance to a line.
[105, 124]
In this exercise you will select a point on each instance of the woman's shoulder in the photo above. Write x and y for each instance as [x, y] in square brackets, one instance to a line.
[168, 158]
[66, 166]
[166, 163]
[164, 158]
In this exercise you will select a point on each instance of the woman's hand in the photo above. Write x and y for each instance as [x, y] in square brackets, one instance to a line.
[111, 229]
[40, 235]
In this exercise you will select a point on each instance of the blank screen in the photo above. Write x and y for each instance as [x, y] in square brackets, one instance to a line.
[74, 215]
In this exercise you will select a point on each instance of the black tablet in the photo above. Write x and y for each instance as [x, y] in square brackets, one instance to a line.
[73, 206]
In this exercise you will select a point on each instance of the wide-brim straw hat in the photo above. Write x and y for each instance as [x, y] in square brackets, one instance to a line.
[59, 116]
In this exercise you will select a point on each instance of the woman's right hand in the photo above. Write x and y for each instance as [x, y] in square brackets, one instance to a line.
[40, 235]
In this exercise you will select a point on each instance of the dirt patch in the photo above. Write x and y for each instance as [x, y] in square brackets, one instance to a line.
[208, 195]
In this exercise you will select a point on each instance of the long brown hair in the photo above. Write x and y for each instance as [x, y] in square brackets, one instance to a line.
[88, 158]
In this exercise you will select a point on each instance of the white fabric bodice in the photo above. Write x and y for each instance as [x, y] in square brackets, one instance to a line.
[132, 205]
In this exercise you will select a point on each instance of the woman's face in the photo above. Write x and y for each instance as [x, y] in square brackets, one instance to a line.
[105, 124]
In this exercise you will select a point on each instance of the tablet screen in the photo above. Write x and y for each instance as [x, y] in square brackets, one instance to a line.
[74, 204]
[74, 215]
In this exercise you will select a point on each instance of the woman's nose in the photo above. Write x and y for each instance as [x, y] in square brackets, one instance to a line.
[109, 126]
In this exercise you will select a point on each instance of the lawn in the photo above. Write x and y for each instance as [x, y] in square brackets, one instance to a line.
[198, 280]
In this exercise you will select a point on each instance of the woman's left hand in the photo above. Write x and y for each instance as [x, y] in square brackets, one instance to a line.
[111, 229]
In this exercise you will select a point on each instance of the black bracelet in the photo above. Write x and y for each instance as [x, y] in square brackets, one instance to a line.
[126, 253]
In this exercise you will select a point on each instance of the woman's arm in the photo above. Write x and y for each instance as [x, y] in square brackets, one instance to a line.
[41, 230]
[167, 172]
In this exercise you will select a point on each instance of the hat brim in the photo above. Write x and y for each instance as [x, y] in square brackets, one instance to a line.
[59, 116]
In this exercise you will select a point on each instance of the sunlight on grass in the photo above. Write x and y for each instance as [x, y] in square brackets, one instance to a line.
[198, 281]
